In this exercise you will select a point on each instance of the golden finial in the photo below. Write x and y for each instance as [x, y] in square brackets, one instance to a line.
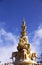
[23, 28]
[23, 23]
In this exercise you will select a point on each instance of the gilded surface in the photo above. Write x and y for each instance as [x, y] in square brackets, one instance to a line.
[24, 50]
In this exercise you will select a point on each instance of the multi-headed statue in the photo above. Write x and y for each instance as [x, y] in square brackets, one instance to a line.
[24, 56]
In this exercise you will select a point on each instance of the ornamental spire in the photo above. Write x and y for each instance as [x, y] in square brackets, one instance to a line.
[23, 28]
[23, 40]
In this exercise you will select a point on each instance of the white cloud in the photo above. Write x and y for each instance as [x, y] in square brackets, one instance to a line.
[37, 40]
[8, 43]
[6, 37]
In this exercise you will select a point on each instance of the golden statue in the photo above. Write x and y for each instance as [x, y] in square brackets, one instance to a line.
[24, 56]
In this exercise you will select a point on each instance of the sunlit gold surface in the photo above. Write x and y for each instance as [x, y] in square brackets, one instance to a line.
[24, 55]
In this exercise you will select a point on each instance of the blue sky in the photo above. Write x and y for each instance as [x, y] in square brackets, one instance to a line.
[12, 12]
